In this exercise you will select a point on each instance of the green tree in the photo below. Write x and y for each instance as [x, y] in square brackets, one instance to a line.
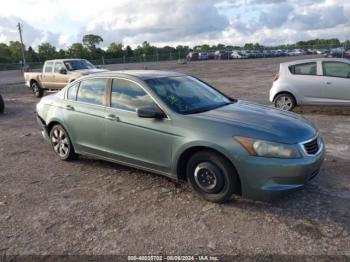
[5, 54]
[61, 54]
[91, 41]
[77, 50]
[31, 55]
[147, 49]
[248, 46]
[15, 51]
[115, 50]
[221, 47]
[47, 51]
[205, 48]
[128, 51]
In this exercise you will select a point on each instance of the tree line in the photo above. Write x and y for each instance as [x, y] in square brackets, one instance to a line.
[88, 49]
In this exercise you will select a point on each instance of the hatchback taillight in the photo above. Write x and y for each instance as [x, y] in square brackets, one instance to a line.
[276, 77]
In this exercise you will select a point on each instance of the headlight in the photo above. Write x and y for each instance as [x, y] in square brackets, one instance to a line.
[256, 147]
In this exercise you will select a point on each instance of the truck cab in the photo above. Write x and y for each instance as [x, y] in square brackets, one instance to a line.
[56, 74]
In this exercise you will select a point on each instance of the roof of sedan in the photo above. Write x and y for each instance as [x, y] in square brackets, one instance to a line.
[142, 74]
[315, 60]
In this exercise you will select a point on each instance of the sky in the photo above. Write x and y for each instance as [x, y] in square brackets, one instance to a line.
[173, 22]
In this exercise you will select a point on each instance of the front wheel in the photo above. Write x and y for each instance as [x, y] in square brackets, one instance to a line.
[285, 101]
[37, 90]
[61, 143]
[212, 176]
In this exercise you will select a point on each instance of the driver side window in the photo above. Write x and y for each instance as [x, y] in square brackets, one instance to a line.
[58, 66]
[128, 95]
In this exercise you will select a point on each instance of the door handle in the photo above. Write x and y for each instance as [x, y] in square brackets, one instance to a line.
[112, 117]
[328, 82]
[69, 107]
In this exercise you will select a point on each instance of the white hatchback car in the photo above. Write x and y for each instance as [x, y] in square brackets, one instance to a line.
[320, 81]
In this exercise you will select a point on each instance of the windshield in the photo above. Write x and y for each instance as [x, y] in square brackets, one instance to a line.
[186, 94]
[78, 65]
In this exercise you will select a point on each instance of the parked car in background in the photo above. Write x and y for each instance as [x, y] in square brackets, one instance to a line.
[238, 55]
[221, 54]
[192, 56]
[320, 51]
[211, 55]
[347, 54]
[56, 74]
[335, 52]
[2, 105]
[203, 56]
[320, 81]
[178, 126]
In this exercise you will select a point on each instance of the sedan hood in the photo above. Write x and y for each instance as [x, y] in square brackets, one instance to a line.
[89, 71]
[262, 122]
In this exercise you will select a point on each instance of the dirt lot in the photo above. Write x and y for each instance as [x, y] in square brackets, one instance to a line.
[92, 207]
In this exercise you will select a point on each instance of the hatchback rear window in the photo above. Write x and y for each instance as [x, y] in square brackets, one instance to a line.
[304, 69]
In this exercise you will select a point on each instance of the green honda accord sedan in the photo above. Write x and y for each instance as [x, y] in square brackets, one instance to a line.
[181, 127]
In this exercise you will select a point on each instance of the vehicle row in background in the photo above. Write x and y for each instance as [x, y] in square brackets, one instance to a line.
[56, 74]
[240, 54]
[320, 81]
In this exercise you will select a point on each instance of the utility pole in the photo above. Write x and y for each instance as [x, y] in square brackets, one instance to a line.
[19, 26]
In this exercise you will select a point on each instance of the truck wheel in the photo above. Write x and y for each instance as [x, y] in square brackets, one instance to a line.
[37, 90]
[2, 105]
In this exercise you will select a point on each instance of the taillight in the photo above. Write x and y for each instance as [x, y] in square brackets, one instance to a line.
[276, 77]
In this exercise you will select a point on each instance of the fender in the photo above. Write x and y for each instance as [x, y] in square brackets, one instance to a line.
[200, 143]
[289, 89]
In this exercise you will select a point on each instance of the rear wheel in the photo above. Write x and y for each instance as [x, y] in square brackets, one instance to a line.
[2, 105]
[285, 101]
[212, 176]
[37, 90]
[61, 143]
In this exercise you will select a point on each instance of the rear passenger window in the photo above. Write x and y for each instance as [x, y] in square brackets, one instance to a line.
[92, 91]
[48, 67]
[129, 96]
[336, 69]
[72, 92]
[304, 69]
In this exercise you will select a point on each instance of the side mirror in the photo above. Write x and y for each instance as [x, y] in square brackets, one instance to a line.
[63, 71]
[150, 112]
[99, 67]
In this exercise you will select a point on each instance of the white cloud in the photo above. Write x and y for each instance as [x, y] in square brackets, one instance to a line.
[161, 22]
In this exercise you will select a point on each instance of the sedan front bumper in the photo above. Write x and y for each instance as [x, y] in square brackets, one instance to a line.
[270, 178]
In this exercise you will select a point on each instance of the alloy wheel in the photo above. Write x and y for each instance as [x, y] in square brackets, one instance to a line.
[284, 103]
[60, 142]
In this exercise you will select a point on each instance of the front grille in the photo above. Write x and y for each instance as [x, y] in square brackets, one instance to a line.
[312, 147]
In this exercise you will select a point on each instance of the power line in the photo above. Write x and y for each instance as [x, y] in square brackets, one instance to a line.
[20, 28]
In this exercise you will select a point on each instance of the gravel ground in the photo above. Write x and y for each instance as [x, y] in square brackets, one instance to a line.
[93, 207]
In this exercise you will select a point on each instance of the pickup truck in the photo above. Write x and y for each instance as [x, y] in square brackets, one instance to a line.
[57, 74]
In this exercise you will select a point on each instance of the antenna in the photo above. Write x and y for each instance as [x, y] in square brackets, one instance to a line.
[20, 28]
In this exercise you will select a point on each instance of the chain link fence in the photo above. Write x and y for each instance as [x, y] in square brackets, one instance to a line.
[339, 51]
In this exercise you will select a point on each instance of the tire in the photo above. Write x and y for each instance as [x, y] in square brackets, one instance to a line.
[61, 143]
[212, 176]
[285, 101]
[2, 105]
[37, 90]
